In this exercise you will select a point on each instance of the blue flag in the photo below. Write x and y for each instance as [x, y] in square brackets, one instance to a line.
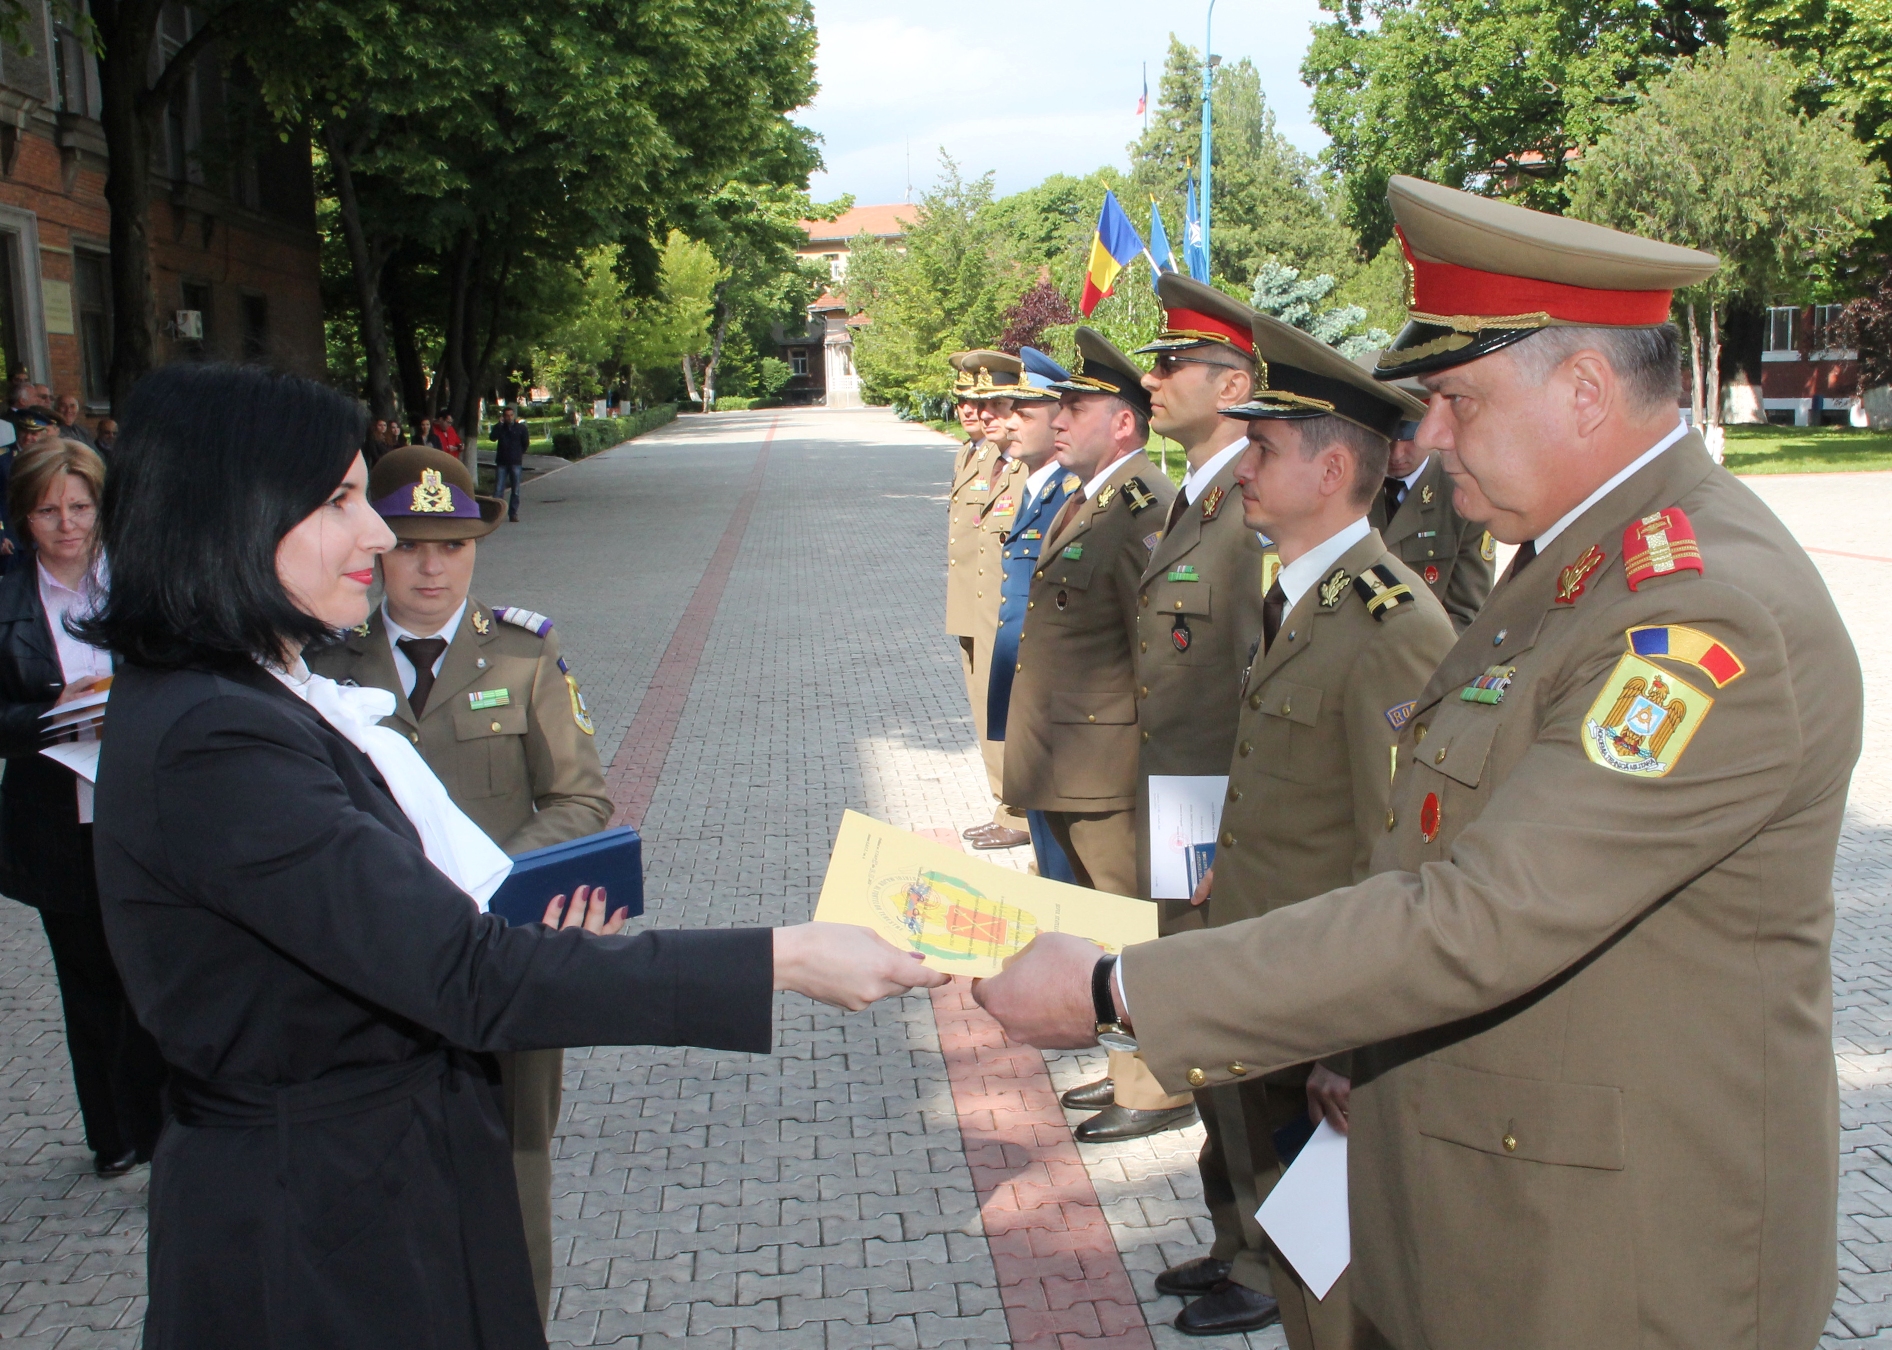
[1195, 256]
[1162, 257]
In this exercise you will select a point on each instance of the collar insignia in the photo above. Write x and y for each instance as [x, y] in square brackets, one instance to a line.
[1334, 587]
[431, 495]
[481, 624]
[1107, 496]
[1658, 545]
[1571, 581]
[1213, 502]
[362, 629]
[1071, 482]
[1425, 495]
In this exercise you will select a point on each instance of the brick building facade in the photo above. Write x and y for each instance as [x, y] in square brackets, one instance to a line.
[233, 232]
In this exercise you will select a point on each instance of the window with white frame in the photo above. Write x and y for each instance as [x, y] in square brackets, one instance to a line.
[1825, 327]
[1781, 322]
[798, 361]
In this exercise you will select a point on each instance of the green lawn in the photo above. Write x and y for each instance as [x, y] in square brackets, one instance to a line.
[1807, 449]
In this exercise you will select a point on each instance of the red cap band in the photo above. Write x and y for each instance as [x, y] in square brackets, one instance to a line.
[1194, 321]
[1448, 289]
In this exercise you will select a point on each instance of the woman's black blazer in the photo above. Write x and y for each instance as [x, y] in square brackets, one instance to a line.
[42, 849]
[337, 1173]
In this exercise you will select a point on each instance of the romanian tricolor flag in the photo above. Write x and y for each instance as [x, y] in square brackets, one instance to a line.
[1677, 643]
[1117, 242]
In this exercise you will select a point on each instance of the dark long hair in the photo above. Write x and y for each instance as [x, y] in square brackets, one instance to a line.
[214, 465]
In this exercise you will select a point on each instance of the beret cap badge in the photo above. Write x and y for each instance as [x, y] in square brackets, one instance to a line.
[431, 495]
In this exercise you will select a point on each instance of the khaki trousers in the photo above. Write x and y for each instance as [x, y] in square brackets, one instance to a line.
[975, 660]
[532, 1086]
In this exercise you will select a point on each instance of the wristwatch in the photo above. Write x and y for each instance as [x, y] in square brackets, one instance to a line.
[1111, 1033]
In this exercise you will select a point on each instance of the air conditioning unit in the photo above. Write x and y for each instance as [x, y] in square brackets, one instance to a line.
[190, 324]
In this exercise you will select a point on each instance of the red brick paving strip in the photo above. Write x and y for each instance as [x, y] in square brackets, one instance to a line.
[1061, 1278]
[632, 778]
[1836, 553]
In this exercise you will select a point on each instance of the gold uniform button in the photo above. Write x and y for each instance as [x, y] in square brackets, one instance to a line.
[1031, 604]
[1440, 757]
[1143, 646]
[1021, 665]
[1179, 604]
[1510, 1142]
[1228, 839]
[495, 726]
[1391, 820]
[415, 737]
[1146, 602]
[1091, 718]
[1197, 1078]
[1419, 732]
[1238, 1069]
[1287, 706]
[1146, 738]
[1243, 749]
[1254, 699]
[1235, 794]
[1143, 691]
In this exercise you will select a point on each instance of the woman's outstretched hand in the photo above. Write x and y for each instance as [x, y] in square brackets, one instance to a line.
[586, 911]
[846, 966]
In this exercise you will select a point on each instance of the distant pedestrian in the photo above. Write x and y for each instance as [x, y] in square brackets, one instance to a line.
[106, 438]
[513, 437]
[43, 397]
[66, 410]
[450, 437]
[427, 434]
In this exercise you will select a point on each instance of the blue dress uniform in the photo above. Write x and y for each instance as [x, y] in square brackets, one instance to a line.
[1021, 548]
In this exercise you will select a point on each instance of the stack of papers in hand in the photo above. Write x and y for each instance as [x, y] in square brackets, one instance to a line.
[75, 727]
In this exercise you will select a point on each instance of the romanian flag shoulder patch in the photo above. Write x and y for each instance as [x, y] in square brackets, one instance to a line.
[1658, 545]
[1675, 642]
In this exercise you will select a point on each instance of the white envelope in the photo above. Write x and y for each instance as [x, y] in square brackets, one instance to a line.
[1306, 1212]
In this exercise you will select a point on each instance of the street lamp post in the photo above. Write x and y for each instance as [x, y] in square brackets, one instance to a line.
[1209, 62]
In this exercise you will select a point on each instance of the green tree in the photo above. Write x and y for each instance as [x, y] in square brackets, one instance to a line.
[1717, 156]
[1270, 200]
[1283, 292]
[1844, 53]
[1487, 95]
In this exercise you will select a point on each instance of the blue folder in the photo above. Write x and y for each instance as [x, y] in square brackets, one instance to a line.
[613, 859]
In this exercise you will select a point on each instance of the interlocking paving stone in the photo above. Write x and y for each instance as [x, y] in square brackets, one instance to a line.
[822, 1197]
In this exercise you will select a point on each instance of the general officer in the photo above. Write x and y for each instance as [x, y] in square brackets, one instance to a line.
[500, 720]
[1590, 987]
[982, 479]
[1071, 735]
[1042, 495]
[1414, 514]
[1349, 636]
[1199, 608]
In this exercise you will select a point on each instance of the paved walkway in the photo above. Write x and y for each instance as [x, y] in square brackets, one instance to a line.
[762, 606]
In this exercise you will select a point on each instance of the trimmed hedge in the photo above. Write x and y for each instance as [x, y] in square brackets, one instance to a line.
[746, 404]
[601, 433]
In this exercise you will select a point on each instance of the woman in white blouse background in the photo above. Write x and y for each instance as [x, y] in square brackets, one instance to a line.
[53, 494]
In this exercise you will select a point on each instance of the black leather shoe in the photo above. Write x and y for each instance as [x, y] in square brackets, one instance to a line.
[1120, 1122]
[1227, 1309]
[1001, 836]
[1193, 1277]
[1090, 1096]
[117, 1167]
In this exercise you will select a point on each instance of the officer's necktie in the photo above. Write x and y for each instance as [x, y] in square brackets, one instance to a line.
[1526, 551]
[1273, 605]
[1176, 509]
[1066, 515]
[1395, 493]
[423, 652]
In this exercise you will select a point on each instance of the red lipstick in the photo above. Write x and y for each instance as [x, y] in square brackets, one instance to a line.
[365, 576]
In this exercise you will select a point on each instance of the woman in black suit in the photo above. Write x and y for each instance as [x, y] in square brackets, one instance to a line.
[336, 1173]
[46, 809]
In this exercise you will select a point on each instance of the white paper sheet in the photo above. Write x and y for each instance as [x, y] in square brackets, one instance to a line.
[1306, 1212]
[82, 757]
[77, 705]
[1185, 813]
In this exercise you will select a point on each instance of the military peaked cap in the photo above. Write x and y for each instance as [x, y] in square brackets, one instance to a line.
[1102, 369]
[985, 374]
[1486, 274]
[1197, 315]
[1299, 376]
[1040, 373]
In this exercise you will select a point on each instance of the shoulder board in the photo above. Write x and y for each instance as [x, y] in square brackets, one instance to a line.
[1382, 590]
[1658, 545]
[536, 624]
[1137, 493]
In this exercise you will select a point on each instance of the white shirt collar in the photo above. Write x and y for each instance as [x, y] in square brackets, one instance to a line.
[1092, 488]
[1195, 479]
[1039, 477]
[1413, 477]
[1549, 537]
[446, 630]
[1307, 569]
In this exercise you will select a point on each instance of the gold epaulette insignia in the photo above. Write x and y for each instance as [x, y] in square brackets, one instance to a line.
[1382, 590]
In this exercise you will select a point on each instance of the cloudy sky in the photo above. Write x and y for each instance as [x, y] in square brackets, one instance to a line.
[1022, 87]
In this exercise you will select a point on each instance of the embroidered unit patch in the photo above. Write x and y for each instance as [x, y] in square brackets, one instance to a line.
[1678, 643]
[1151, 540]
[489, 698]
[1643, 719]
[1571, 581]
[1401, 713]
[1660, 544]
[1488, 548]
[1270, 571]
[581, 712]
[1213, 502]
[1489, 687]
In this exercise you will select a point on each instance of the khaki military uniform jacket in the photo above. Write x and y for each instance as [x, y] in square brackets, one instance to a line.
[1004, 495]
[526, 771]
[1320, 714]
[1198, 616]
[1071, 741]
[1452, 555]
[967, 499]
[1599, 1105]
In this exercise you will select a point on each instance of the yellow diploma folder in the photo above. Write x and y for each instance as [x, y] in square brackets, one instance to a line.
[965, 916]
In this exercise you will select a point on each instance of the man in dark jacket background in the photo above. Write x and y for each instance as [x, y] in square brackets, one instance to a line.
[513, 437]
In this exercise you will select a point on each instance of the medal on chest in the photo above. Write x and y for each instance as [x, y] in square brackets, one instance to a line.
[1179, 635]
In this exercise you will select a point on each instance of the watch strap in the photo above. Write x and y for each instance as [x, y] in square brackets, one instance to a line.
[1102, 1003]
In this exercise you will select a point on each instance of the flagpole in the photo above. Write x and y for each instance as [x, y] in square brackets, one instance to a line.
[1146, 97]
[1208, 86]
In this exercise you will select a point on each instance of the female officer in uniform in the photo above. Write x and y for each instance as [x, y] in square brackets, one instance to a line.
[492, 710]
[336, 1172]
